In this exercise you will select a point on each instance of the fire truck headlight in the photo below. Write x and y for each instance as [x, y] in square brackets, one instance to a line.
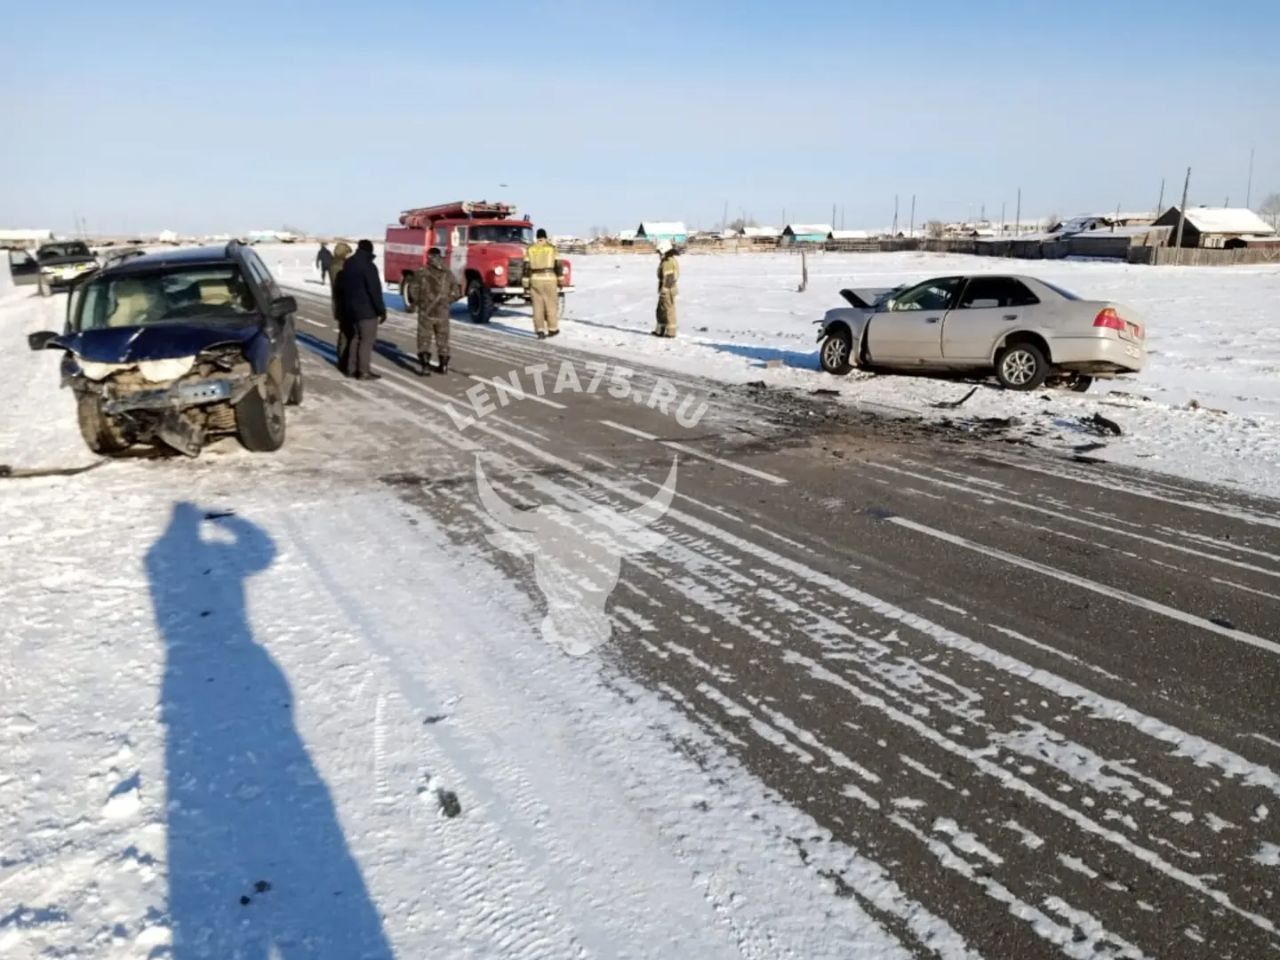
[498, 271]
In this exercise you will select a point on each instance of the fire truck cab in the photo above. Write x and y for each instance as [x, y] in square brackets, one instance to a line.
[483, 244]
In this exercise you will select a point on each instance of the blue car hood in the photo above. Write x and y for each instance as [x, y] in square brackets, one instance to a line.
[167, 341]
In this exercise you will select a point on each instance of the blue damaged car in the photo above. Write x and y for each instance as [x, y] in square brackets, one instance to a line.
[180, 347]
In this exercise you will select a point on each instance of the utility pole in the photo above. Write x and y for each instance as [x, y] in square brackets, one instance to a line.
[911, 231]
[1248, 191]
[1182, 218]
[1002, 203]
[1160, 202]
[724, 219]
[895, 214]
[982, 213]
[833, 216]
[1017, 217]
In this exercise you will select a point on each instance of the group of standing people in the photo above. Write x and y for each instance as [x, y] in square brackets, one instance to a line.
[358, 307]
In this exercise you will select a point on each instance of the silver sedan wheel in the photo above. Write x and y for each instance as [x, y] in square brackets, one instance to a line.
[835, 352]
[1019, 367]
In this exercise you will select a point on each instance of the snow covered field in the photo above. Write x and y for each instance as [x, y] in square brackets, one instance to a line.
[1214, 343]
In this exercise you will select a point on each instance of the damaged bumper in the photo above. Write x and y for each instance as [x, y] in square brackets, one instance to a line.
[178, 396]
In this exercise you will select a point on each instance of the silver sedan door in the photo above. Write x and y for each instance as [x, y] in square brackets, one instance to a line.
[908, 331]
[988, 308]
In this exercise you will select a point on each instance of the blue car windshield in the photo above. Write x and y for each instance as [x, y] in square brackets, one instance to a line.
[210, 293]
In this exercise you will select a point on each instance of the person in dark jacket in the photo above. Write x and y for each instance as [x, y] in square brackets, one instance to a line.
[359, 290]
[341, 251]
[324, 261]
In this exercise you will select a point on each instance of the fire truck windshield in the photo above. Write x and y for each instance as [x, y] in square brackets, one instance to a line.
[501, 233]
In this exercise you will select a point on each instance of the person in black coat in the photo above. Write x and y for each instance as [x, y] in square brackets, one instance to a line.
[359, 290]
[324, 261]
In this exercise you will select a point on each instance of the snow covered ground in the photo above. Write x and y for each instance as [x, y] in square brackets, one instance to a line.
[262, 705]
[1207, 407]
[241, 703]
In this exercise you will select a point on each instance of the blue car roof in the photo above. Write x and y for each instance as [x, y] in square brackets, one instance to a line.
[188, 257]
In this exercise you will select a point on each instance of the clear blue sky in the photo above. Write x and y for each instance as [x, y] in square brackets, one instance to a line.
[333, 117]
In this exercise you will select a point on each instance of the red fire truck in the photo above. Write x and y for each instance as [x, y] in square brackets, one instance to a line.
[483, 244]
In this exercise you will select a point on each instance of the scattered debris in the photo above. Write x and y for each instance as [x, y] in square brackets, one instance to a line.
[756, 385]
[434, 718]
[1101, 426]
[952, 404]
[219, 514]
[825, 392]
[245, 901]
[1222, 622]
[7, 471]
[879, 513]
[773, 364]
[1088, 447]
[992, 424]
[449, 804]
[261, 886]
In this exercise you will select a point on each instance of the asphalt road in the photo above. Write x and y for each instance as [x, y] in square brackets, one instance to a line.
[1039, 694]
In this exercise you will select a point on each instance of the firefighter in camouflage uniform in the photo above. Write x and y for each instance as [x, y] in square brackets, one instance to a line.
[668, 280]
[542, 279]
[435, 292]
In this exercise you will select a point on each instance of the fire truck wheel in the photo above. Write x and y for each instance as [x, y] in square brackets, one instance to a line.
[479, 301]
[406, 291]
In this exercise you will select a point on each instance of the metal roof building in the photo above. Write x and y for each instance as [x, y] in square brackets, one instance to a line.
[1214, 226]
[806, 233]
[656, 231]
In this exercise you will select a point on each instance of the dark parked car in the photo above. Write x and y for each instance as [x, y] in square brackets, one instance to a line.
[63, 264]
[177, 347]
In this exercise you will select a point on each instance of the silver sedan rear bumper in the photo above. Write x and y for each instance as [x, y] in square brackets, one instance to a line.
[1098, 355]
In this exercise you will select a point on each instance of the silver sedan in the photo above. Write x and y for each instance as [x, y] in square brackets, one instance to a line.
[1023, 330]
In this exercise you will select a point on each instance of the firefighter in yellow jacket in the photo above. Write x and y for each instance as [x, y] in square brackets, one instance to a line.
[541, 279]
[668, 281]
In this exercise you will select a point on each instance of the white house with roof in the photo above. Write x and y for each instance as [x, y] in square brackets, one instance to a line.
[16, 237]
[656, 231]
[794, 233]
[1214, 226]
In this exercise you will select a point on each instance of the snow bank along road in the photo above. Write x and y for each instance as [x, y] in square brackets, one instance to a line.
[880, 690]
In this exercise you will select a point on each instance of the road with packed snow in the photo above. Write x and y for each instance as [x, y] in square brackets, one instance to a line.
[877, 689]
